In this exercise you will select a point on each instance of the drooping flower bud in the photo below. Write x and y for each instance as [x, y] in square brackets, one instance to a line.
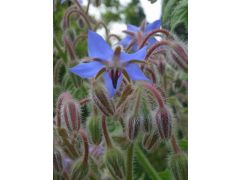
[80, 170]
[164, 122]
[150, 140]
[102, 101]
[71, 115]
[133, 124]
[146, 118]
[94, 129]
[114, 161]
[65, 96]
[178, 164]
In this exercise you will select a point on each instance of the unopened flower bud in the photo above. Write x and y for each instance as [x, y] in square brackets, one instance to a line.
[146, 118]
[102, 101]
[150, 140]
[178, 164]
[80, 170]
[94, 129]
[162, 64]
[65, 96]
[71, 114]
[114, 161]
[164, 122]
[133, 124]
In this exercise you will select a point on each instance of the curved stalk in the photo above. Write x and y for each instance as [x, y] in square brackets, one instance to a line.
[146, 164]
[129, 166]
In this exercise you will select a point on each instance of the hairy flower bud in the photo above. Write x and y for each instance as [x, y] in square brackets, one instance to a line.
[80, 170]
[114, 161]
[150, 140]
[65, 96]
[164, 122]
[102, 101]
[94, 129]
[146, 118]
[178, 164]
[133, 124]
[71, 114]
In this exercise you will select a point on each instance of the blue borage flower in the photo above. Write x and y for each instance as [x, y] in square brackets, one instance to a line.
[136, 34]
[113, 65]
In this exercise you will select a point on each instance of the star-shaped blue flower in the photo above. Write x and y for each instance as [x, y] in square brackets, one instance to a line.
[113, 64]
[135, 34]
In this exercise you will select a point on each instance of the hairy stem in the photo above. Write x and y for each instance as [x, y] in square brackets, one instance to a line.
[85, 144]
[175, 146]
[60, 51]
[105, 132]
[129, 166]
[146, 164]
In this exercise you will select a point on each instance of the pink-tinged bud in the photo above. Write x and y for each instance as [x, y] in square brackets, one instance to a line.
[162, 64]
[133, 124]
[65, 96]
[102, 101]
[164, 122]
[181, 50]
[71, 115]
[150, 140]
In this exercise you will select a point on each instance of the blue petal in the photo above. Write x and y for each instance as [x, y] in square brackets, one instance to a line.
[139, 55]
[151, 40]
[125, 41]
[153, 26]
[62, 1]
[135, 72]
[109, 85]
[98, 48]
[132, 28]
[87, 70]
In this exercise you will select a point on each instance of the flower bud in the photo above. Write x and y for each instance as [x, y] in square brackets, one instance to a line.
[71, 114]
[162, 64]
[94, 129]
[57, 161]
[178, 164]
[65, 96]
[133, 124]
[146, 118]
[80, 170]
[102, 101]
[150, 140]
[164, 122]
[114, 161]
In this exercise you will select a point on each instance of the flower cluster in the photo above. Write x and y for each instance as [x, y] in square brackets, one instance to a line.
[115, 100]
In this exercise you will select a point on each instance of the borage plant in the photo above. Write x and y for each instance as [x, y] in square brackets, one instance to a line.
[120, 106]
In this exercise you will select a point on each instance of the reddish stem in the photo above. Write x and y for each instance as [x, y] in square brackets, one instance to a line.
[84, 101]
[175, 146]
[85, 145]
[156, 93]
[156, 45]
[152, 33]
[105, 132]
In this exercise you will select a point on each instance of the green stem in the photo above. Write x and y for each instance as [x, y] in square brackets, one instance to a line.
[60, 51]
[129, 170]
[146, 164]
